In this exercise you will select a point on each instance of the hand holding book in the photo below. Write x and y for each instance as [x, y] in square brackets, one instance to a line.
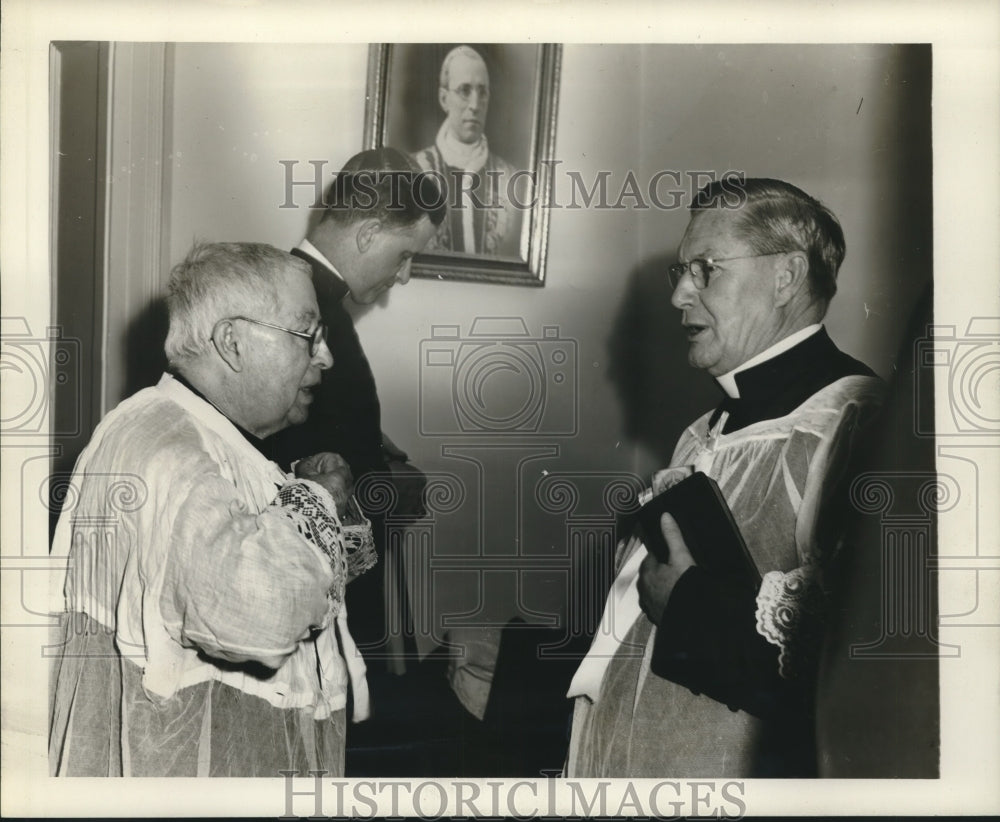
[690, 524]
[657, 579]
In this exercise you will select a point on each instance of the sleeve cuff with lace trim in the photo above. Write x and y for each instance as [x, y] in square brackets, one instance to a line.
[311, 508]
[708, 642]
[790, 615]
[358, 541]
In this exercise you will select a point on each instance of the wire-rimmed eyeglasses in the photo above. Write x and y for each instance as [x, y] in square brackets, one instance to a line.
[315, 337]
[702, 268]
[464, 91]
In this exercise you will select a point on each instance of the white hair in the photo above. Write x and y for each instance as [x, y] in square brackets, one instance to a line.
[217, 281]
[464, 51]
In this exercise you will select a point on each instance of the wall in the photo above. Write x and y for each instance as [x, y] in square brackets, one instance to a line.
[238, 109]
[849, 124]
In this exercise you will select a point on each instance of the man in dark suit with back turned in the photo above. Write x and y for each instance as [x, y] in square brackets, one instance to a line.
[381, 211]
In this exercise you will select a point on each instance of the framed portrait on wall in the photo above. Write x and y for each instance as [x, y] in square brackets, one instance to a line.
[481, 119]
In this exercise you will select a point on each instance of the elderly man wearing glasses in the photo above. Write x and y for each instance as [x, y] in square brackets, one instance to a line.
[690, 676]
[202, 628]
[482, 191]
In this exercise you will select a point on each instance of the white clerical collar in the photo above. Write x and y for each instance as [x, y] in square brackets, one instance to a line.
[316, 254]
[728, 381]
[462, 155]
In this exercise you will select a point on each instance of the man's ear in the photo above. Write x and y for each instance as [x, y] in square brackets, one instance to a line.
[790, 277]
[228, 345]
[365, 235]
[443, 98]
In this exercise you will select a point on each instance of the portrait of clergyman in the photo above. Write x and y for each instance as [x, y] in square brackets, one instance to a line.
[474, 117]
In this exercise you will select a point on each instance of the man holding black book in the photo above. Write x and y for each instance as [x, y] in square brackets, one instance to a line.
[693, 672]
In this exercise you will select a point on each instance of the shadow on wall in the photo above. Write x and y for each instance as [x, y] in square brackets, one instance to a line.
[659, 392]
[878, 704]
[145, 360]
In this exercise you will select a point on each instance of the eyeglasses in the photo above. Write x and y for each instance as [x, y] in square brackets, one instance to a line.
[315, 337]
[465, 91]
[702, 268]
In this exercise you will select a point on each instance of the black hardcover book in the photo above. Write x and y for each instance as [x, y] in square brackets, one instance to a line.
[711, 533]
